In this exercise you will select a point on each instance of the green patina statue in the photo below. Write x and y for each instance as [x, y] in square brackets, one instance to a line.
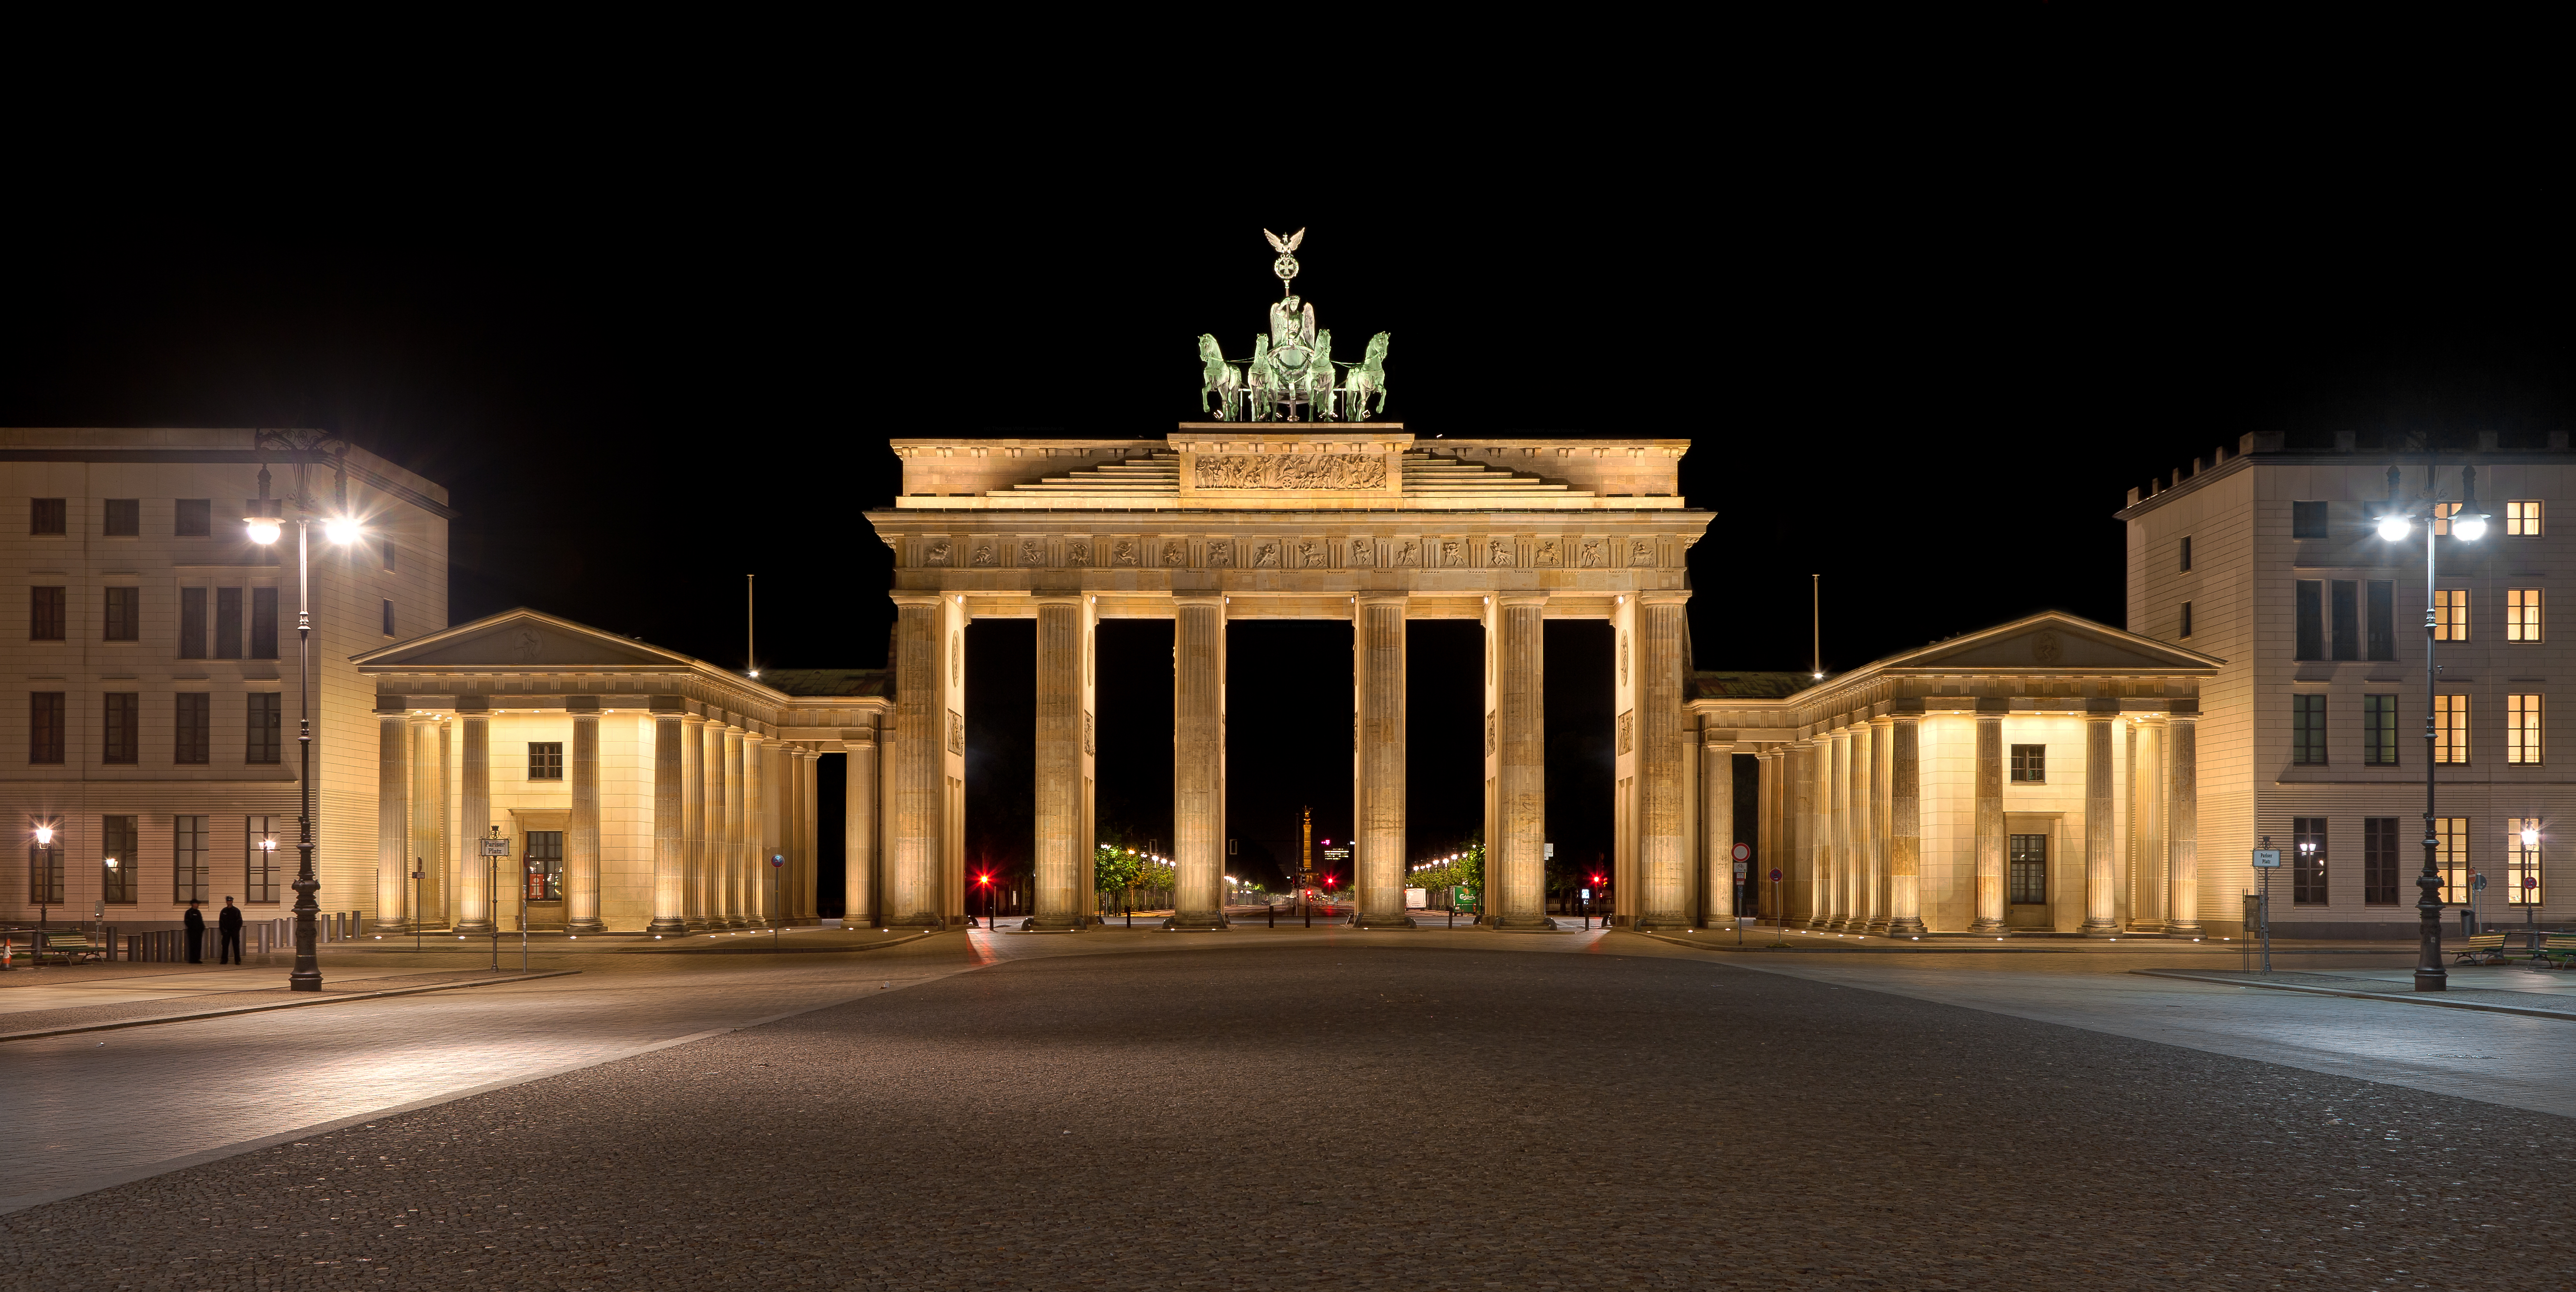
[1292, 366]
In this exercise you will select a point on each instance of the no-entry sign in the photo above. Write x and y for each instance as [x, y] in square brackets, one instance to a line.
[1744, 852]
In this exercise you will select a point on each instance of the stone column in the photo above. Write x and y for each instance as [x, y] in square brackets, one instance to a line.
[1881, 753]
[393, 812]
[1806, 871]
[1990, 818]
[1770, 845]
[918, 769]
[670, 820]
[423, 852]
[581, 839]
[439, 883]
[859, 829]
[1663, 844]
[1516, 891]
[1905, 822]
[751, 838]
[725, 822]
[693, 810]
[474, 795]
[2147, 810]
[1838, 849]
[809, 837]
[2101, 845]
[1198, 762]
[1378, 665]
[1058, 825]
[2182, 818]
[1717, 829]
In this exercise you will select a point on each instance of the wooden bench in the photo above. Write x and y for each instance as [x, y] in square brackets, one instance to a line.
[2482, 949]
[2557, 950]
[69, 946]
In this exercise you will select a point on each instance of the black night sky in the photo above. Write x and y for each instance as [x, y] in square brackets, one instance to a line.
[1934, 396]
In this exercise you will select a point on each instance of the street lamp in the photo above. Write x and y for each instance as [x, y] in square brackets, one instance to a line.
[2468, 524]
[44, 895]
[2529, 883]
[265, 518]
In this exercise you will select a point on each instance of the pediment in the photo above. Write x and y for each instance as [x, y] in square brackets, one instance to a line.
[2052, 641]
[519, 639]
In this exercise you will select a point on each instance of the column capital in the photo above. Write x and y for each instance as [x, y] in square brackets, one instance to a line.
[389, 705]
[1992, 707]
[1519, 598]
[2186, 708]
[473, 706]
[919, 600]
[1198, 597]
[579, 706]
[1671, 597]
[697, 719]
[1378, 597]
[1056, 597]
[2099, 709]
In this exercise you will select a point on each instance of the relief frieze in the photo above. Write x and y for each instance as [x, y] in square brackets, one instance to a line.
[1290, 471]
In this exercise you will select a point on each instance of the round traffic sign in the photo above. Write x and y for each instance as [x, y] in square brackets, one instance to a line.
[778, 859]
[1744, 852]
[2531, 881]
[1775, 874]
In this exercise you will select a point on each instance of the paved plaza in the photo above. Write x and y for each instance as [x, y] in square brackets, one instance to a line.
[1293, 1108]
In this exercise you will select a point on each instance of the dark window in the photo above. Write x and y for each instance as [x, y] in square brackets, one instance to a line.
[2308, 860]
[2186, 555]
[195, 727]
[2186, 619]
[2383, 619]
[2308, 730]
[2379, 861]
[259, 864]
[124, 517]
[192, 623]
[2347, 619]
[2029, 869]
[228, 623]
[46, 516]
[263, 623]
[188, 858]
[389, 619]
[124, 614]
[2307, 520]
[266, 722]
[545, 865]
[2312, 619]
[45, 614]
[2379, 730]
[388, 546]
[2030, 764]
[117, 840]
[45, 874]
[545, 760]
[194, 518]
[44, 726]
[124, 727]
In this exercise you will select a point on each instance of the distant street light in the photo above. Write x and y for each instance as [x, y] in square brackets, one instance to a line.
[2468, 524]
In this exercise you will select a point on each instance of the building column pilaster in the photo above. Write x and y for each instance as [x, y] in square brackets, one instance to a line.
[726, 807]
[693, 814]
[1058, 778]
[393, 811]
[1516, 890]
[1838, 821]
[1198, 762]
[1664, 843]
[1807, 881]
[420, 899]
[670, 824]
[1905, 824]
[581, 840]
[758, 886]
[2182, 818]
[2101, 844]
[1379, 660]
[919, 760]
[474, 795]
[1990, 819]
[1717, 829]
[1770, 846]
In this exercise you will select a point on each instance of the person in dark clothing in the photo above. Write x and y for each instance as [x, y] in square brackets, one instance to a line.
[228, 950]
[195, 936]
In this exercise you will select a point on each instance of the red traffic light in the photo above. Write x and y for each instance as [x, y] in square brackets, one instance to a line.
[1596, 879]
[984, 879]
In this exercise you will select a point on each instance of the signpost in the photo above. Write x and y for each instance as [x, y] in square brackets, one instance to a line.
[1743, 854]
[1781, 906]
[494, 847]
[2266, 859]
[778, 885]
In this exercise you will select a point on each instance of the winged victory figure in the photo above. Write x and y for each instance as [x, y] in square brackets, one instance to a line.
[1284, 245]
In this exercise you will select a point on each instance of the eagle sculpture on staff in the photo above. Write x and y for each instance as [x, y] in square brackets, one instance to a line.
[1284, 245]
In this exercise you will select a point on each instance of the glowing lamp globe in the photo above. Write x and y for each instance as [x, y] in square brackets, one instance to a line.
[2394, 528]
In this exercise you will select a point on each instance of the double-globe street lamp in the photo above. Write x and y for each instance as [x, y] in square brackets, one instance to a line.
[2468, 524]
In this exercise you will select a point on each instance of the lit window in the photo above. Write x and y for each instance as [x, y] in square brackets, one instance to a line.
[2450, 728]
[2522, 518]
[2521, 864]
[2308, 860]
[2522, 728]
[2451, 615]
[2522, 614]
[260, 864]
[2442, 514]
[2030, 764]
[2451, 857]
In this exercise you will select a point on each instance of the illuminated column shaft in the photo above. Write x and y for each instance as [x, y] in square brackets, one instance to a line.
[1716, 829]
[1517, 886]
[1881, 754]
[670, 825]
[1663, 845]
[1378, 667]
[393, 811]
[859, 829]
[2182, 817]
[474, 881]
[1058, 821]
[1198, 761]
[1905, 823]
[1846, 859]
[1798, 813]
[751, 841]
[2101, 846]
[1770, 842]
[693, 813]
[918, 764]
[724, 821]
[422, 892]
[581, 839]
[1990, 818]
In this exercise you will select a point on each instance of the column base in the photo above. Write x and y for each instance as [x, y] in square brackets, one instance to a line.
[1196, 923]
[2178, 929]
[483, 930]
[2104, 929]
[1907, 927]
[1526, 924]
[1989, 928]
[664, 924]
[1878, 927]
[1662, 924]
[579, 926]
[1382, 922]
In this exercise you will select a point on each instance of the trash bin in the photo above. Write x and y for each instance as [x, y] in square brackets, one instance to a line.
[2468, 923]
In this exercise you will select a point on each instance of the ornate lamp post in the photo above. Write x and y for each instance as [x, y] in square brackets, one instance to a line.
[2529, 882]
[265, 518]
[2469, 525]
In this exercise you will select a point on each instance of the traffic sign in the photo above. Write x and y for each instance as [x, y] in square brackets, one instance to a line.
[778, 859]
[1744, 852]
[1740, 869]
[2531, 881]
[2267, 858]
[496, 847]
[1775, 874]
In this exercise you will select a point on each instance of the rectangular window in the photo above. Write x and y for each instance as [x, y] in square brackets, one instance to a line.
[389, 618]
[2379, 731]
[193, 518]
[2383, 619]
[124, 614]
[2522, 518]
[2450, 728]
[46, 516]
[2442, 514]
[188, 852]
[2186, 619]
[2307, 520]
[2522, 614]
[2308, 730]
[45, 618]
[259, 859]
[2451, 857]
[45, 726]
[267, 710]
[228, 623]
[386, 546]
[2522, 862]
[192, 623]
[124, 517]
[2379, 861]
[124, 737]
[2347, 619]
[2030, 764]
[2186, 554]
[2030, 869]
[196, 721]
[2451, 615]
[2308, 860]
[2312, 620]
[545, 760]
[2522, 728]
[45, 874]
[263, 623]
[545, 865]
[116, 868]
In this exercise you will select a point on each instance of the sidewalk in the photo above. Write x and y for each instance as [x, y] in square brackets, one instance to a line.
[2497, 989]
[270, 993]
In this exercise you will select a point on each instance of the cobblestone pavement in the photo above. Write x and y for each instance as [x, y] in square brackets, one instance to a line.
[1372, 1112]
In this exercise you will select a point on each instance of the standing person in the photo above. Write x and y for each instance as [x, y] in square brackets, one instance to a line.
[229, 946]
[196, 934]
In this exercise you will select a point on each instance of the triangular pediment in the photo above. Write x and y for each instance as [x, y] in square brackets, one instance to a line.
[522, 639]
[2051, 640]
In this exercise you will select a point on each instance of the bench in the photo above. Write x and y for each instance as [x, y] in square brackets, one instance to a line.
[2557, 950]
[69, 946]
[2482, 949]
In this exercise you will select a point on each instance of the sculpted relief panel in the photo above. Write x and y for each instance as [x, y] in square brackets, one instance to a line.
[1290, 471]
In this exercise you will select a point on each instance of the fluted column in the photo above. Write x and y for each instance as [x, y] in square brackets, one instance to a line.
[1807, 881]
[393, 813]
[2182, 818]
[1517, 888]
[809, 839]
[2101, 846]
[581, 839]
[1770, 843]
[1905, 823]
[918, 764]
[1058, 824]
[2147, 818]
[1990, 818]
[1378, 665]
[1881, 904]
[859, 829]
[751, 840]
[1663, 845]
[726, 807]
[1198, 761]
[670, 821]
[1717, 829]
[425, 770]
[1838, 856]
[474, 799]
[693, 810]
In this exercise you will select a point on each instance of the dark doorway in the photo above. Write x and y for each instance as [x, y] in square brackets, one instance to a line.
[1582, 760]
[1132, 766]
[1287, 739]
[1444, 736]
[1001, 740]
